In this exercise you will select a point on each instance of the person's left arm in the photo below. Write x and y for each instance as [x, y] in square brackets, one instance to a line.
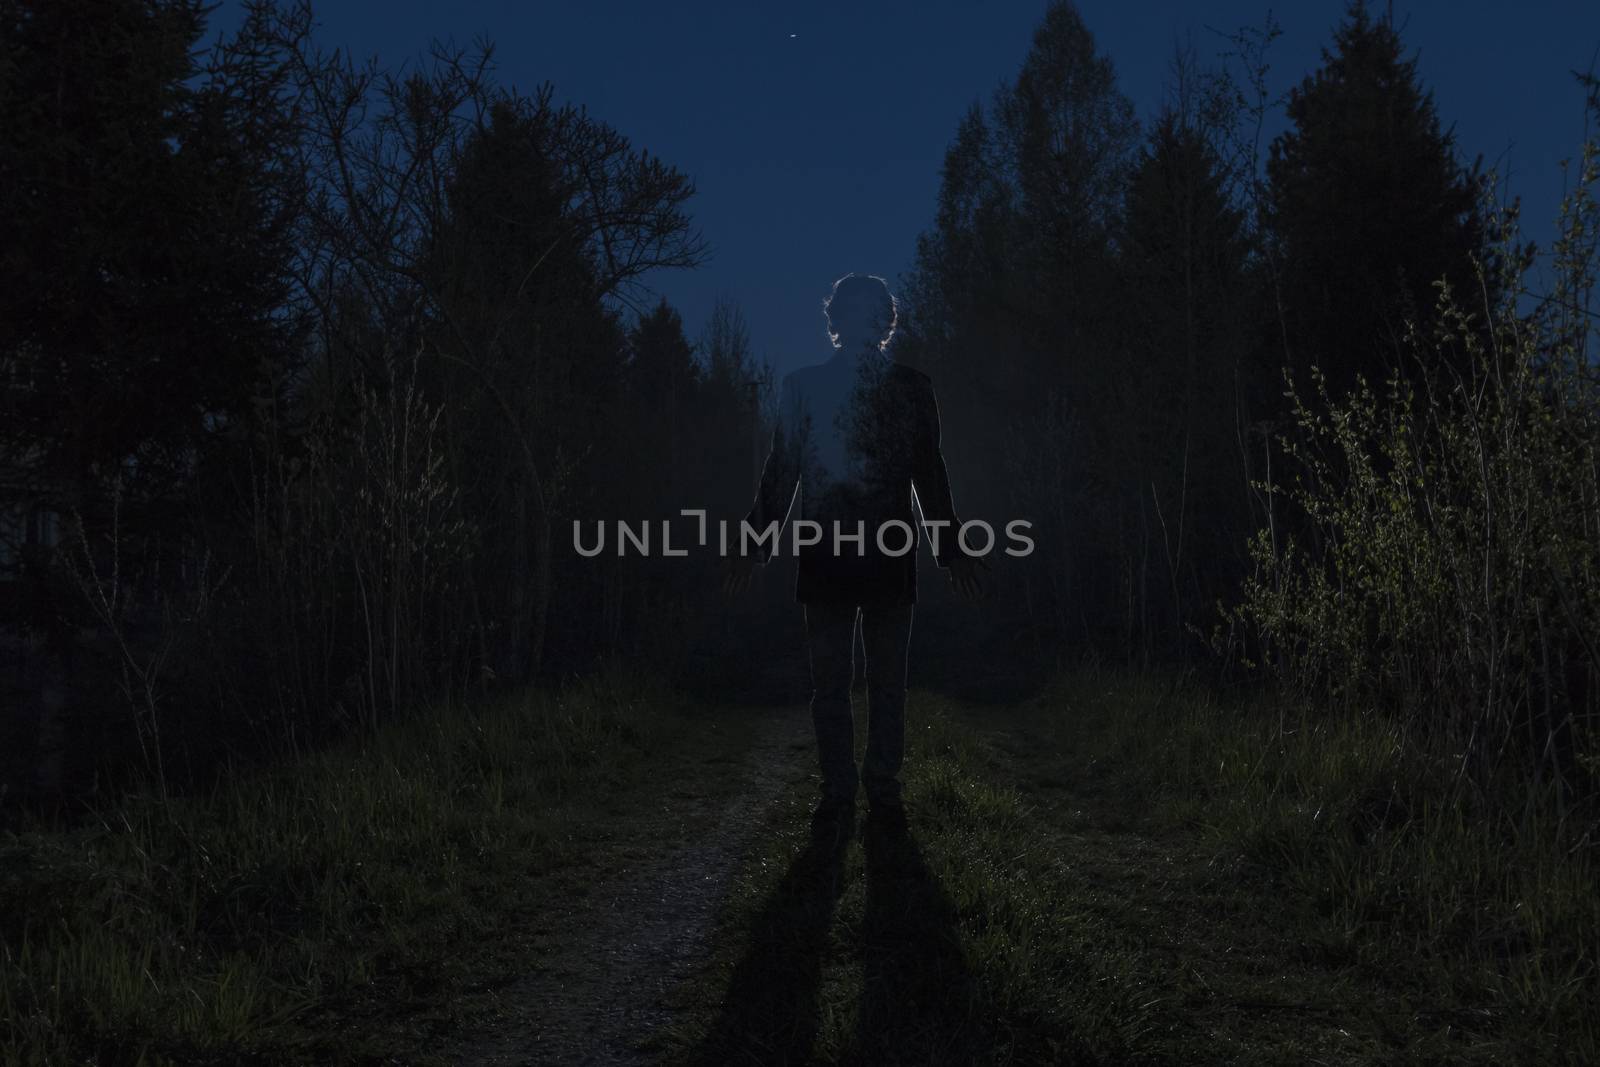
[931, 480]
[932, 483]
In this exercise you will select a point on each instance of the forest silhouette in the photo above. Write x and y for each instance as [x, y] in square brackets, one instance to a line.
[310, 366]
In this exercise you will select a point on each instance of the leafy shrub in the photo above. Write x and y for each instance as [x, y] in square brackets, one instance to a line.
[1443, 558]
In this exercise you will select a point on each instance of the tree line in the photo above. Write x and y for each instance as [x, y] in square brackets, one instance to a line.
[1285, 408]
[310, 364]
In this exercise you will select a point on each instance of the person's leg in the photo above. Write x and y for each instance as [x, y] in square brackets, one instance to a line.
[886, 633]
[830, 638]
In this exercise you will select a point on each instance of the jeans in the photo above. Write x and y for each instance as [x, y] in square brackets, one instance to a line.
[830, 639]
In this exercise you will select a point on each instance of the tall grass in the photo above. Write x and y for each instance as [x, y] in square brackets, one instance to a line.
[353, 560]
[1469, 906]
[223, 926]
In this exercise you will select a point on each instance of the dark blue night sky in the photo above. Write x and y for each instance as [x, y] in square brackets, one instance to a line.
[814, 133]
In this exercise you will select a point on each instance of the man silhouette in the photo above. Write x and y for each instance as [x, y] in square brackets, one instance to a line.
[855, 436]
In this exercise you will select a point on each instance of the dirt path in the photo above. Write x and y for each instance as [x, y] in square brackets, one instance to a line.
[1084, 922]
[610, 947]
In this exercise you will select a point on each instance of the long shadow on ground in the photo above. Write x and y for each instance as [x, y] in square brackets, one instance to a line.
[918, 997]
[771, 1013]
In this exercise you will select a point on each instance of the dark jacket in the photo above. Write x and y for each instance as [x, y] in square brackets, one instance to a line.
[854, 438]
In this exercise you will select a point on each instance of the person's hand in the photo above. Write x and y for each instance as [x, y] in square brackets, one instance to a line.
[736, 572]
[967, 577]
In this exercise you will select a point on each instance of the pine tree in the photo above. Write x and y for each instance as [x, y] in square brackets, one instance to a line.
[1188, 336]
[661, 359]
[1368, 205]
[664, 378]
[144, 241]
[532, 359]
[1013, 307]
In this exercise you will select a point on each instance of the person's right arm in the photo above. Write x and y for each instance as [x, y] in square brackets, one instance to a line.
[780, 477]
[932, 482]
[780, 474]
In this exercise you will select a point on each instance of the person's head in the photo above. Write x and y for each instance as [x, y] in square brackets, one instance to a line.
[861, 313]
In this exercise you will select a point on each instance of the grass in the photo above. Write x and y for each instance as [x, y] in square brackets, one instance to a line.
[1117, 870]
[959, 943]
[1482, 936]
[317, 911]
[1126, 871]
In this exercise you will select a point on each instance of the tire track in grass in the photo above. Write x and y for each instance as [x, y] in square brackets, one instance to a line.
[610, 949]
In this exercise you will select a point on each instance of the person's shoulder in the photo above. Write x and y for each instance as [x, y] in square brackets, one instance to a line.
[911, 376]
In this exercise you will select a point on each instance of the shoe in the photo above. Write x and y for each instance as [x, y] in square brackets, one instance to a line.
[886, 802]
[888, 815]
[833, 816]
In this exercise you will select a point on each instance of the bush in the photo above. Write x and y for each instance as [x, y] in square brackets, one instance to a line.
[1445, 565]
